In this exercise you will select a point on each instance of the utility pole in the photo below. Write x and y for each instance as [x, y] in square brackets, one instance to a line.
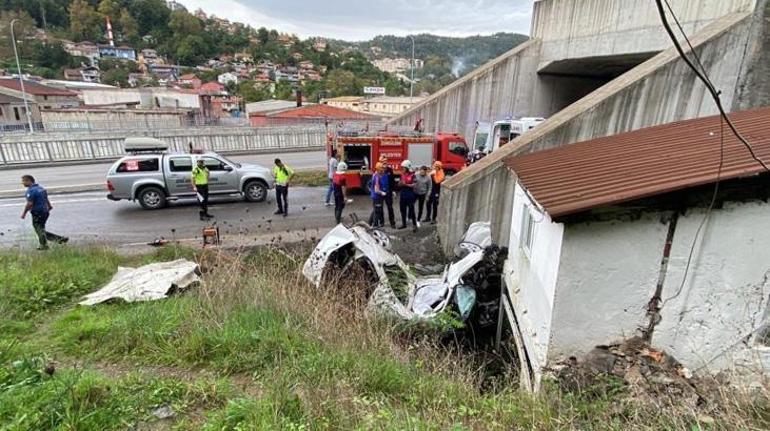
[411, 81]
[21, 78]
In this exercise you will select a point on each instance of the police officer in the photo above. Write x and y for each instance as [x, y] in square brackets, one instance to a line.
[200, 181]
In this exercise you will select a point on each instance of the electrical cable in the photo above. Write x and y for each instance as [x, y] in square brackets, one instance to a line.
[715, 94]
[705, 216]
[703, 75]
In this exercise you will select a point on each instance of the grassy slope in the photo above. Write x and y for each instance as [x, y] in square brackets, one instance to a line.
[254, 347]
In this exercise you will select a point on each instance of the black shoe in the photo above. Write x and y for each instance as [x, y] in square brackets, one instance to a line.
[393, 226]
[64, 240]
[414, 229]
[433, 222]
[400, 227]
[203, 218]
[209, 216]
[285, 214]
[278, 212]
[42, 248]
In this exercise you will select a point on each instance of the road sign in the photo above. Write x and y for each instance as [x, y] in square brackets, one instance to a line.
[374, 90]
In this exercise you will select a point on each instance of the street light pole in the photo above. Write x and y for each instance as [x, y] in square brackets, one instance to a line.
[21, 78]
[411, 81]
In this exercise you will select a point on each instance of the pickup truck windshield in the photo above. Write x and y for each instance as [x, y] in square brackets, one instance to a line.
[237, 165]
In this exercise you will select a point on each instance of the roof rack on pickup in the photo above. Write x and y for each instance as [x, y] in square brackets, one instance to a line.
[143, 144]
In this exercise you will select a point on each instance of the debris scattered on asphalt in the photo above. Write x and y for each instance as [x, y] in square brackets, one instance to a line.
[147, 283]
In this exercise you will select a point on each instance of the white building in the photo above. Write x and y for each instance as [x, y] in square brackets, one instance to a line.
[396, 65]
[601, 239]
[227, 78]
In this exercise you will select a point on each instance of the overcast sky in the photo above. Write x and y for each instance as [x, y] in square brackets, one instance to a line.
[363, 19]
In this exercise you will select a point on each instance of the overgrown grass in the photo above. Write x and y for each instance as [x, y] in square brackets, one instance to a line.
[304, 359]
[310, 179]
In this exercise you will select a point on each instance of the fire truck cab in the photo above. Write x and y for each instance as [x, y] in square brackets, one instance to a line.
[361, 151]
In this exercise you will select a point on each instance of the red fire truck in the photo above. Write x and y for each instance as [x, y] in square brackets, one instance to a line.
[362, 150]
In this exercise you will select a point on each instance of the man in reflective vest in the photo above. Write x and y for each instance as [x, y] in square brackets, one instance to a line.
[200, 182]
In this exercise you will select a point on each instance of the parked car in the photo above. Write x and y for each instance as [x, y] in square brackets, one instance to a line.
[153, 176]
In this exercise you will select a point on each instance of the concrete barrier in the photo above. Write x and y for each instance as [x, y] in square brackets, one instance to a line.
[106, 145]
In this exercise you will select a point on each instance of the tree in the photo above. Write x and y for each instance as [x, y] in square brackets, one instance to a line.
[129, 28]
[117, 77]
[342, 83]
[191, 50]
[249, 91]
[263, 35]
[151, 15]
[109, 8]
[85, 22]
[52, 56]
[184, 24]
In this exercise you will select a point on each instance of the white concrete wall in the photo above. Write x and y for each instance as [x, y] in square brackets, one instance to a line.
[607, 275]
[531, 277]
[725, 298]
[572, 29]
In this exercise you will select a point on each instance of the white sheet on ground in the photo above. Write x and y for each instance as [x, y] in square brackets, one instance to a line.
[146, 283]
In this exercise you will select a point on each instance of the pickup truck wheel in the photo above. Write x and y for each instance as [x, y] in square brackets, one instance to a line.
[152, 198]
[255, 191]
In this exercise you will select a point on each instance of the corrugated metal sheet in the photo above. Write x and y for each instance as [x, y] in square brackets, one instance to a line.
[642, 163]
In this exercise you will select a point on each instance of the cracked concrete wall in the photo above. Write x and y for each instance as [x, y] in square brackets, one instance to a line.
[713, 322]
[754, 86]
[607, 274]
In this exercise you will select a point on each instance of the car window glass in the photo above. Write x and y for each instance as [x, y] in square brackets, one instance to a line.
[180, 164]
[214, 164]
[139, 165]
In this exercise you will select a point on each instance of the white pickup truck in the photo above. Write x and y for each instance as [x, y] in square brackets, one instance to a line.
[153, 176]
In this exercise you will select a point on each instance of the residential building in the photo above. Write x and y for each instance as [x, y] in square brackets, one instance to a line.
[120, 52]
[627, 235]
[389, 105]
[46, 97]
[352, 103]
[381, 106]
[175, 6]
[228, 78]
[85, 74]
[319, 45]
[88, 50]
[306, 65]
[395, 65]
[143, 97]
[190, 80]
[288, 74]
[211, 88]
[13, 113]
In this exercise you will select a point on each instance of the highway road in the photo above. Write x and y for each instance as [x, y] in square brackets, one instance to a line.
[91, 218]
[92, 176]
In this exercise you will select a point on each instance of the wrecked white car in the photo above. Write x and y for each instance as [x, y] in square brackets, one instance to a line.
[469, 286]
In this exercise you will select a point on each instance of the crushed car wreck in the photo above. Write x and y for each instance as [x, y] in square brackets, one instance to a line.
[469, 287]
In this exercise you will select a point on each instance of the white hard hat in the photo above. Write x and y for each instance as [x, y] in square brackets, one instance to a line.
[342, 167]
[406, 164]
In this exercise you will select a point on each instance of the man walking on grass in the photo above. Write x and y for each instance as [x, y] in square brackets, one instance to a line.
[40, 207]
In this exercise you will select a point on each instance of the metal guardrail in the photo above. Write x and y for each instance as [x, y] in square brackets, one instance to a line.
[66, 147]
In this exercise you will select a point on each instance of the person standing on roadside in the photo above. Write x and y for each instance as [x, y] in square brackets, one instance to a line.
[422, 184]
[338, 182]
[331, 169]
[379, 190]
[391, 179]
[283, 175]
[437, 178]
[40, 208]
[200, 183]
[407, 197]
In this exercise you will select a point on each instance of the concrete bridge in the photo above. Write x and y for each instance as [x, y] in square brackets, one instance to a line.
[594, 68]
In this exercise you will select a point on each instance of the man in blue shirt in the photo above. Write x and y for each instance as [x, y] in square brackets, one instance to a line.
[378, 190]
[40, 207]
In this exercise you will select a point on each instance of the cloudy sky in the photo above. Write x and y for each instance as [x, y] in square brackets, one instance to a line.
[363, 19]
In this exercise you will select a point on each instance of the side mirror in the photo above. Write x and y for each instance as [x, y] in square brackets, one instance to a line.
[228, 168]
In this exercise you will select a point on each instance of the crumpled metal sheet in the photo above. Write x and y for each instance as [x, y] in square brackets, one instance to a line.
[428, 296]
[146, 283]
[476, 238]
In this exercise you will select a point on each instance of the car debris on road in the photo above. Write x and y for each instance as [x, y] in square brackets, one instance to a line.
[469, 286]
[147, 283]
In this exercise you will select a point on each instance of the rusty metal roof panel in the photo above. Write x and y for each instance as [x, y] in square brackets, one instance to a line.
[643, 163]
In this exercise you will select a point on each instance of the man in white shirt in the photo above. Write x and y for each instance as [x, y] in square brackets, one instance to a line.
[331, 169]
